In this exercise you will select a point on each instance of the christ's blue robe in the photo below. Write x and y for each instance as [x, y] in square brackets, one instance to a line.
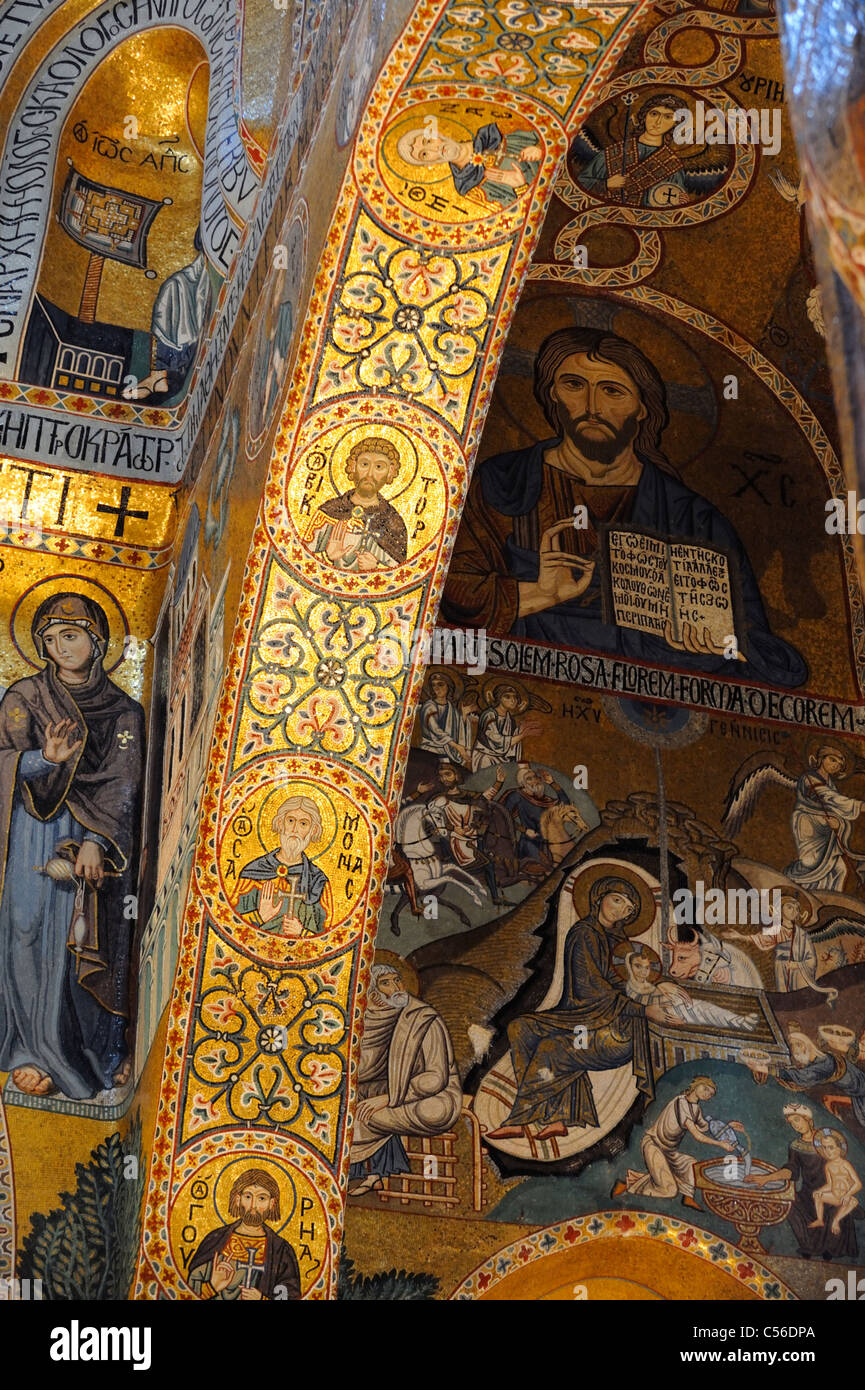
[511, 485]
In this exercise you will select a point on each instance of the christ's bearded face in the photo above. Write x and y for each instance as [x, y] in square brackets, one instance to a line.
[599, 407]
[295, 834]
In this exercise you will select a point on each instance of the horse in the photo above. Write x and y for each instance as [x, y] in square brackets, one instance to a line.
[419, 858]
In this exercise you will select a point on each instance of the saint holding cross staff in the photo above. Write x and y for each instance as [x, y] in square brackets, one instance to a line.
[247, 1259]
[283, 892]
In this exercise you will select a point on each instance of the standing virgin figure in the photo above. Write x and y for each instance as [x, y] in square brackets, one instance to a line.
[71, 757]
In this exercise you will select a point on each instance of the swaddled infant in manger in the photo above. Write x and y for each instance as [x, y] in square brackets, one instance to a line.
[640, 968]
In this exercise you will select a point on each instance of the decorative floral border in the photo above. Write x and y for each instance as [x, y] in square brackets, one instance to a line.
[567, 1235]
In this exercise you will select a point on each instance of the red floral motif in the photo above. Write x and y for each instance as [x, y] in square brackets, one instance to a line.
[269, 692]
[625, 1223]
[321, 716]
[577, 40]
[419, 280]
[322, 1075]
[688, 1238]
[225, 1009]
[571, 1234]
[284, 596]
[203, 1111]
[352, 335]
[465, 307]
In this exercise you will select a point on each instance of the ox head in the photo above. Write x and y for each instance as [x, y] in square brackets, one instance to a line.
[685, 953]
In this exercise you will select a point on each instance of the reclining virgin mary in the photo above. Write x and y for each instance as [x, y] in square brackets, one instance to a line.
[594, 1026]
[71, 750]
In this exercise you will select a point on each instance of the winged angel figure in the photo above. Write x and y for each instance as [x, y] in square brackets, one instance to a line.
[822, 817]
[646, 168]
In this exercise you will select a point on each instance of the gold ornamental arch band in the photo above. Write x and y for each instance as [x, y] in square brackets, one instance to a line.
[419, 250]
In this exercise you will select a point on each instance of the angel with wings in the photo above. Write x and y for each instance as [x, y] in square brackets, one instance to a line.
[822, 819]
[646, 168]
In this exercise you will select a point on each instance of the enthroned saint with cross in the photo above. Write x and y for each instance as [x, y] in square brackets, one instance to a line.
[247, 1259]
[283, 892]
